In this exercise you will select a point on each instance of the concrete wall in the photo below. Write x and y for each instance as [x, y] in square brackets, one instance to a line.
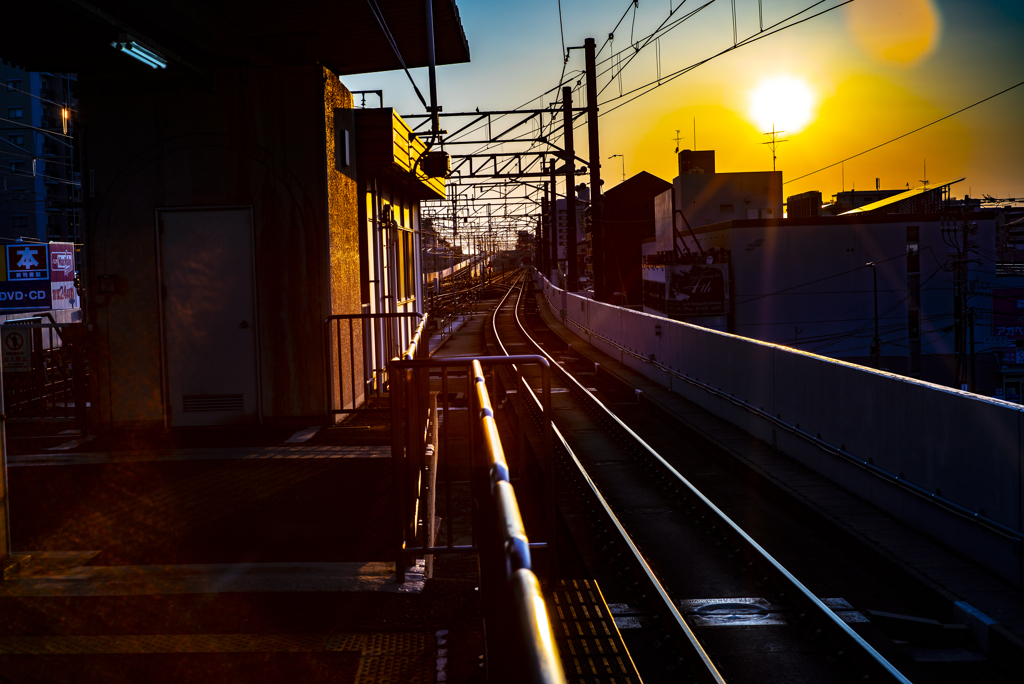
[803, 283]
[963, 446]
[701, 197]
[246, 137]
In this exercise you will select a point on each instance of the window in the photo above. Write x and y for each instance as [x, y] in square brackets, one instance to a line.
[913, 233]
[13, 84]
[17, 167]
[18, 140]
[726, 209]
[15, 112]
[19, 221]
[53, 227]
[913, 259]
[406, 266]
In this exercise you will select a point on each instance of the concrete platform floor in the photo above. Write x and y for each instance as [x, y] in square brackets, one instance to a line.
[221, 555]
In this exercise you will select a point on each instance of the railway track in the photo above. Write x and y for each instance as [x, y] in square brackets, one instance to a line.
[664, 548]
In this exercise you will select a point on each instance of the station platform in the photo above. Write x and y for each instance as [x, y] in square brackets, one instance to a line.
[222, 555]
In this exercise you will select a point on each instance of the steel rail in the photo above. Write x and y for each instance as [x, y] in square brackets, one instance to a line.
[840, 632]
[708, 671]
[963, 512]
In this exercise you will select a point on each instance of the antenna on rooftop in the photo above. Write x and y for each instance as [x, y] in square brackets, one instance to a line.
[774, 142]
[678, 139]
[925, 181]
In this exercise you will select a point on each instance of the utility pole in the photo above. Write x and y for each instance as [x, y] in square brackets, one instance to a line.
[553, 206]
[545, 232]
[970, 329]
[596, 218]
[967, 315]
[572, 269]
[876, 344]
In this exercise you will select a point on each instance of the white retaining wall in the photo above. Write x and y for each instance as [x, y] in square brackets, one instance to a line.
[961, 446]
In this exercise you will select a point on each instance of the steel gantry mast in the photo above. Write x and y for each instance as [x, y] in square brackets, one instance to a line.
[505, 168]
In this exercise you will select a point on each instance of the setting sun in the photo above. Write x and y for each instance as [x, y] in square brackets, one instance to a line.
[784, 102]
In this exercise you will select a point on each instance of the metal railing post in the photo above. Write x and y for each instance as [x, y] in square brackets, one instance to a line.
[398, 460]
[517, 632]
[549, 453]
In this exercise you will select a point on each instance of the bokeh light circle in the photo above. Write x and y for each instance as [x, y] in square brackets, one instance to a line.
[897, 31]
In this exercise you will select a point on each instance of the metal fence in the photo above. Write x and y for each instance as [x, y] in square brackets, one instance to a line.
[357, 348]
[520, 645]
[45, 372]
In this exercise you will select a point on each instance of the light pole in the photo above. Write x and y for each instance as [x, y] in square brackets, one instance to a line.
[623, 157]
[876, 344]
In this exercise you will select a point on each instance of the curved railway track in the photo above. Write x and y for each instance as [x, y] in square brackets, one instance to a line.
[669, 547]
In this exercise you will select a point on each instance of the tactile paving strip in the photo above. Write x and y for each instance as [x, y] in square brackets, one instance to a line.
[398, 668]
[590, 645]
[390, 658]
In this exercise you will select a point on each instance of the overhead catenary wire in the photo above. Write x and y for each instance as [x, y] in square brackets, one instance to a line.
[379, 16]
[899, 137]
[642, 90]
[618, 63]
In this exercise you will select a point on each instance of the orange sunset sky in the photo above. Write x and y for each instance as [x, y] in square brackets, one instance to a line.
[838, 84]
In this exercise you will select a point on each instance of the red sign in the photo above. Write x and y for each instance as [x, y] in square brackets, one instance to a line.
[1008, 313]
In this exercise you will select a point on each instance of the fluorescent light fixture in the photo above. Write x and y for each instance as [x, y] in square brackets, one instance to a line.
[148, 57]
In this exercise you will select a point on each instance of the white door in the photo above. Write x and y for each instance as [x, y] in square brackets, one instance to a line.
[206, 265]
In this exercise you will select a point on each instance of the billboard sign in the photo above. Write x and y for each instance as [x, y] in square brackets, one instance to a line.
[1008, 314]
[697, 289]
[62, 276]
[24, 277]
[27, 262]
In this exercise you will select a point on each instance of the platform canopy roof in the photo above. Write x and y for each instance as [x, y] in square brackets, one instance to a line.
[343, 35]
[889, 202]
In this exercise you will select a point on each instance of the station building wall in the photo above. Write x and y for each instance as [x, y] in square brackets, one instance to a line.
[255, 139]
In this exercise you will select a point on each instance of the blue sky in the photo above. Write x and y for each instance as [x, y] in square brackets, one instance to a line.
[876, 69]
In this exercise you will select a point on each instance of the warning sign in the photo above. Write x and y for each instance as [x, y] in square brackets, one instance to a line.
[17, 350]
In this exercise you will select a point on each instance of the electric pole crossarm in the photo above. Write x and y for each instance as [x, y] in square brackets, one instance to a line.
[509, 112]
[515, 126]
[491, 155]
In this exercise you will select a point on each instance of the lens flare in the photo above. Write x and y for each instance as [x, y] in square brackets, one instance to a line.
[783, 103]
[899, 31]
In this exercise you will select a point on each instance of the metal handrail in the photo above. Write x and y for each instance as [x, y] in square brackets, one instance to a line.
[414, 343]
[519, 634]
[542, 658]
[373, 365]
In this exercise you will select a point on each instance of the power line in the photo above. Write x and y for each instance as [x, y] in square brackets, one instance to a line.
[772, 30]
[906, 134]
[561, 32]
[819, 280]
[379, 16]
[66, 105]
